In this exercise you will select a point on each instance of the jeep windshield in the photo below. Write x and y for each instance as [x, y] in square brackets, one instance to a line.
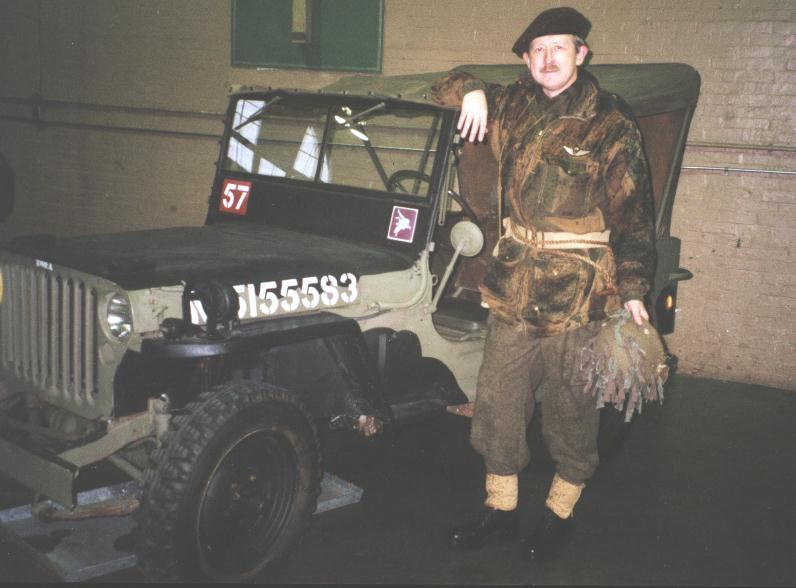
[362, 143]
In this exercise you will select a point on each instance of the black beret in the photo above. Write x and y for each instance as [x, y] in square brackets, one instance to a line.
[555, 21]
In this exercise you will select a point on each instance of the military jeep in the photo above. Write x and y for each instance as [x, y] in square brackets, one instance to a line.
[334, 283]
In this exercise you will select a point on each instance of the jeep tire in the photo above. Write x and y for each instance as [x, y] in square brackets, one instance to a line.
[231, 488]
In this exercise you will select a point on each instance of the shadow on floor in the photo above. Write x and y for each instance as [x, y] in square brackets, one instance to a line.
[700, 492]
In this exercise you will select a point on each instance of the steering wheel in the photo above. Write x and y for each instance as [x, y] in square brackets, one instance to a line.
[395, 184]
[468, 210]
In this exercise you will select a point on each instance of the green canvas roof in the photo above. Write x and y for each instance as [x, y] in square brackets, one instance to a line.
[649, 88]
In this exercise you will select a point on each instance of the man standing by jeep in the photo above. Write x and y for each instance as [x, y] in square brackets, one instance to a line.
[576, 247]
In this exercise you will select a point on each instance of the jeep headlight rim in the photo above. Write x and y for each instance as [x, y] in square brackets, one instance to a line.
[118, 316]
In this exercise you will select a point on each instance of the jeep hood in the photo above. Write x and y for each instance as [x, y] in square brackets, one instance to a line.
[235, 253]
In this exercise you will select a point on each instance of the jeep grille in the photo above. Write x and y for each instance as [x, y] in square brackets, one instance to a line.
[48, 332]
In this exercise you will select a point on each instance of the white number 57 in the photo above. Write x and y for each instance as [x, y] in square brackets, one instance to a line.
[235, 197]
[229, 196]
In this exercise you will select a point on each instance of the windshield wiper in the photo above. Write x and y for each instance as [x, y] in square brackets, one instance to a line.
[259, 113]
[364, 113]
[354, 123]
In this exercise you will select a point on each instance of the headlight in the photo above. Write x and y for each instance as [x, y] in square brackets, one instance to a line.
[119, 317]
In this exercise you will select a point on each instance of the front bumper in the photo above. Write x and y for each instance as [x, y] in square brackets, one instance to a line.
[52, 472]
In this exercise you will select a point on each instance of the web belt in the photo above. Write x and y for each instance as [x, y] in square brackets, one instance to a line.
[555, 239]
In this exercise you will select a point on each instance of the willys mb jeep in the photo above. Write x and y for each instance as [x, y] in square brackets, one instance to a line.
[333, 283]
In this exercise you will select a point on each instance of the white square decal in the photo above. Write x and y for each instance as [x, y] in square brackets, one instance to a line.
[402, 224]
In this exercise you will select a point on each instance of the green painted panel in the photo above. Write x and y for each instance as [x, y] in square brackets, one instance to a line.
[345, 35]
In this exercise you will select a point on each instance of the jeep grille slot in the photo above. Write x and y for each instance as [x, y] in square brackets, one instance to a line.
[48, 330]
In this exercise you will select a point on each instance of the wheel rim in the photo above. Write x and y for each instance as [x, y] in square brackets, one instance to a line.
[246, 503]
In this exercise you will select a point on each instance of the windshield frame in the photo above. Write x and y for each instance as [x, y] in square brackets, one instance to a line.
[436, 147]
[284, 197]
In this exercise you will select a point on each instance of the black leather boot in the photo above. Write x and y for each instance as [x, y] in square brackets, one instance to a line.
[492, 522]
[549, 538]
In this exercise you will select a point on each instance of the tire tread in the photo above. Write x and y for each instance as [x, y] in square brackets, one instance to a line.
[172, 464]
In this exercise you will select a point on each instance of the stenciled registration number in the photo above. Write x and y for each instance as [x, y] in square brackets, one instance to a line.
[290, 295]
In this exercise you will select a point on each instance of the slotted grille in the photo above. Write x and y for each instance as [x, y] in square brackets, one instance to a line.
[48, 331]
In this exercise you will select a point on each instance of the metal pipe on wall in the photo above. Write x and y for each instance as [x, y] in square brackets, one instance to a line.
[739, 146]
[37, 102]
[116, 128]
[748, 170]
[743, 146]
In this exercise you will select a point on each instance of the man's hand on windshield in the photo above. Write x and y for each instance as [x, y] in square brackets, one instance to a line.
[637, 310]
[473, 118]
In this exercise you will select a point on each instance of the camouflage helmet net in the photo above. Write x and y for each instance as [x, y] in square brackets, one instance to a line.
[624, 364]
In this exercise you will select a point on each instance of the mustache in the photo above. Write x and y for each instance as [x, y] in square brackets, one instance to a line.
[549, 69]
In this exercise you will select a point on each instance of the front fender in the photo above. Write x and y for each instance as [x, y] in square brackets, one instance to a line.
[322, 358]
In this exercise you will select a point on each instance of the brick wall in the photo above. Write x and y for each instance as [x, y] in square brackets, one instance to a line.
[736, 318]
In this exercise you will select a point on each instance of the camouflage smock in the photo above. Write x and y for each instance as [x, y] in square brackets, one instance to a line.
[573, 163]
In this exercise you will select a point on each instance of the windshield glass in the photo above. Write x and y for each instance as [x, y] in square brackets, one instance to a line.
[371, 146]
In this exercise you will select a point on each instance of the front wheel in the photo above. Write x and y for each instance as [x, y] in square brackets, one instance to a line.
[231, 488]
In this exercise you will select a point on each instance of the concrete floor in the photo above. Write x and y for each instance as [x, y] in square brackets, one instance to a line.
[701, 492]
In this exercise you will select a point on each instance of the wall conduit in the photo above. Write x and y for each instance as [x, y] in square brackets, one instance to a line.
[37, 103]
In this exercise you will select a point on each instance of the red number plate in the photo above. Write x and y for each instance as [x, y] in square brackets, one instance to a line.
[235, 197]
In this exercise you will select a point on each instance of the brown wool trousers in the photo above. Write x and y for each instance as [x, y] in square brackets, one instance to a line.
[518, 370]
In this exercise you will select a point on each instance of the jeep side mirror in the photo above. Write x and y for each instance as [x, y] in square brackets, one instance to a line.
[468, 240]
